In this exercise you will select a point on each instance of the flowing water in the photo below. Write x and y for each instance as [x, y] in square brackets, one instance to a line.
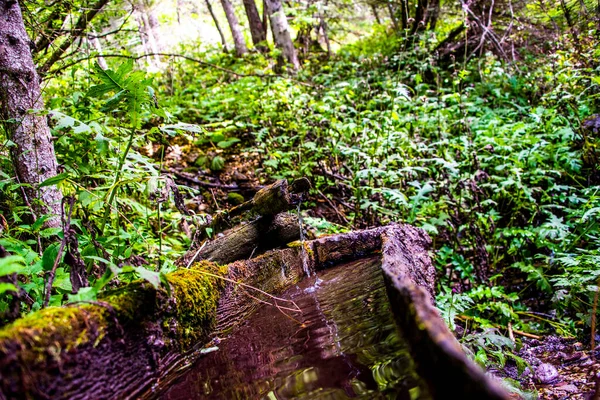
[302, 238]
[343, 345]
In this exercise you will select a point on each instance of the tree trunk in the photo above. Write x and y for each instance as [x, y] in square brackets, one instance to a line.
[236, 29]
[154, 26]
[95, 43]
[146, 31]
[281, 32]
[257, 29]
[216, 21]
[265, 18]
[433, 14]
[419, 20]
[248, 240]
[33, 154]
[323, 28]
[375, 14]
[393, 17]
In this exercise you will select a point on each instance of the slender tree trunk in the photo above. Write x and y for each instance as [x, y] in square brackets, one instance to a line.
[33, 154]
[236, 29]
[154, 27]
[216, 21]
[393, 17]
[149, 36]
[323, 27]
[433, 14]
[419, 22]
[375, 14]
[404, 13]
[265, 18]
[257, 29]
[281, 32]
[95, 43]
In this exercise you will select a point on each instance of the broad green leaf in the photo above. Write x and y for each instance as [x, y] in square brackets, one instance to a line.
[11, 264]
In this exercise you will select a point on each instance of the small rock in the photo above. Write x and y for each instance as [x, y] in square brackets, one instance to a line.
[575, 356]
[587, 362]
[578, 346]
[546, 373]
[570, 388]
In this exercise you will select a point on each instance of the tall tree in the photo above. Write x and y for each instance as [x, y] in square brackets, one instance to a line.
[216, 21]
[257, 29]
[281, 32]
[236, 29]
[33, 152]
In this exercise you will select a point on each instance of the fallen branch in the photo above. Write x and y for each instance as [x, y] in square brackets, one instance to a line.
[192, 59]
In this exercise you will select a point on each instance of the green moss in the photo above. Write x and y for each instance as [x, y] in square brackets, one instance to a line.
[186, 316]
[196, 292]
[54, 329]
[133, 301]
[235, 198]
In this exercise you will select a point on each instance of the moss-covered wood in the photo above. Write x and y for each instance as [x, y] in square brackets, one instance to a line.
[269, 201]
[53, 352]
[270, 226]
[142, 334]
[440, 361]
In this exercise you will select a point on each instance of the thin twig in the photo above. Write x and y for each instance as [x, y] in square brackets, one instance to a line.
[196, 255]
[338, 213]
[594, 309]
[249, 287]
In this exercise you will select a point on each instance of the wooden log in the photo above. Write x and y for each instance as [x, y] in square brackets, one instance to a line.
[270, 229]
[268, 201]
[439, 358]
[243, 241]
[134, 337]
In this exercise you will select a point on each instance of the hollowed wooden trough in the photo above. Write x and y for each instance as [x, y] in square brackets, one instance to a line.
[134, 338]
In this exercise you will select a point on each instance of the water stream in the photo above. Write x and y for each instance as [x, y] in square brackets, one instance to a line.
[343, 345]
[302, 239]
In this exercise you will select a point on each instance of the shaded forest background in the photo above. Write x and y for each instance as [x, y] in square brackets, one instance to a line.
[474, 120]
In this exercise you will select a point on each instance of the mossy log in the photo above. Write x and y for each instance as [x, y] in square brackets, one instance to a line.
[439, 358]
[272, 227]
[241, 242]
[134, 337]
[268, 201]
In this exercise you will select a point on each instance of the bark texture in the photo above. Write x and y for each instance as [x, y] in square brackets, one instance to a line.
[257, 29]
[33, 154]
[270, 228]
[281, 33]
[439, 358]
[236, 29]
[253, 238]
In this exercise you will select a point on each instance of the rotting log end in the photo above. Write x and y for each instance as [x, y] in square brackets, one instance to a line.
[440, 360]
[49, 351]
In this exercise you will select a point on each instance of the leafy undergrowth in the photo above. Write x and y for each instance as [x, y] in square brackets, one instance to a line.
[497, 162]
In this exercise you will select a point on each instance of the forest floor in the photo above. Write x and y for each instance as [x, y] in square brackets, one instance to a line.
[559, 368]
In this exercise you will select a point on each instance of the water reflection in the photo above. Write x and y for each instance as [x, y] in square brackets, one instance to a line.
[345, 347]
